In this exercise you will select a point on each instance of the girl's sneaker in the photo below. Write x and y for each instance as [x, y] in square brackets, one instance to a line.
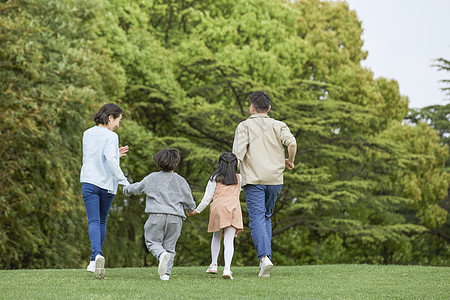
[212, 269]
[227, 274]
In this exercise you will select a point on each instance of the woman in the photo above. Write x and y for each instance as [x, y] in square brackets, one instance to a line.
[100, 175]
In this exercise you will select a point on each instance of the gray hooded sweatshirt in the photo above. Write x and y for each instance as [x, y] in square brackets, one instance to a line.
[166, 193]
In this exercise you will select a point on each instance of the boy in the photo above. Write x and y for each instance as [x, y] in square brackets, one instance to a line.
[167, 194]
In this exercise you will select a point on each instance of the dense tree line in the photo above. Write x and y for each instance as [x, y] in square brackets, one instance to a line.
[367, 187]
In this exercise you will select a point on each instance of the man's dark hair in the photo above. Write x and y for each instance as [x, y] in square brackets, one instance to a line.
[260, 101]
[167, 159]
[110, 109]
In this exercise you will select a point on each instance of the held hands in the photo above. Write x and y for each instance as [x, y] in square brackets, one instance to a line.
[192, 213]
[123, 150]
[289, 164]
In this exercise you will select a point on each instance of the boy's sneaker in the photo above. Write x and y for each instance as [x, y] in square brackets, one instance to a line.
[91, 266]
[99, 267]
[227, 274]
[163, 262]
[265, 267]
[164, 277]
[212, 269]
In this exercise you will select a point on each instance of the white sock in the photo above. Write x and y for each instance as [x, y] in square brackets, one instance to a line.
[228, 245]
[215, 246]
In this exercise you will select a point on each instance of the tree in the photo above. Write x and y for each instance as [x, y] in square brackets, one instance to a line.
[443, 64]
[436, 116]
[365, 188]
[307, 56]
[54, 74]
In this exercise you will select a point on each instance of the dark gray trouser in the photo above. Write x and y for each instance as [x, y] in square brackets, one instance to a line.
[161, 232]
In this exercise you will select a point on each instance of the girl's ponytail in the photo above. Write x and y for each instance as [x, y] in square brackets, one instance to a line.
[226, 169]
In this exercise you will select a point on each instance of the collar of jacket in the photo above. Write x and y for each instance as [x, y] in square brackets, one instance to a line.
[262, 115]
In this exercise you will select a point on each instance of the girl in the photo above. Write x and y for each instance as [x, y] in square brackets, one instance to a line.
[225, 216]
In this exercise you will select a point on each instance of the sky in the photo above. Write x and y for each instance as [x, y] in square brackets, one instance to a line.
[402, 38]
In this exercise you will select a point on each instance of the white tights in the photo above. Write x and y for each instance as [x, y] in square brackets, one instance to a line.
[228, 245]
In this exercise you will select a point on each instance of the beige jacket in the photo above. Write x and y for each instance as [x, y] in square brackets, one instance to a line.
[259, 144]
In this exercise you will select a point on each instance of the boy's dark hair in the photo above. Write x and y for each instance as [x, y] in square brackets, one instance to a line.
[110, 109]
[167, 159]
[260, 101]
[226, 169]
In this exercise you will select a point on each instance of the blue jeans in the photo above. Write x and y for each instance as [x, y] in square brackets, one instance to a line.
[260, 204]
[97, 202]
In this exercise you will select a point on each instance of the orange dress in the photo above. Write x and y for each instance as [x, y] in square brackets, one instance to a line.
[225, 208]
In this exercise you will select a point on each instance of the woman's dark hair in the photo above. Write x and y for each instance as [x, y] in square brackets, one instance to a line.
[226, 169]
[167, 159]
[260, 101]
[110, 109]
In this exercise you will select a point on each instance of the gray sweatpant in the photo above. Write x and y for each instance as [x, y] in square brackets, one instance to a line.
[161, 232]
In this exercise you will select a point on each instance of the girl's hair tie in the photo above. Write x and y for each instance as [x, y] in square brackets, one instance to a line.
[228, 159]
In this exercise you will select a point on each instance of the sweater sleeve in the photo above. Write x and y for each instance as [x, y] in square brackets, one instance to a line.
[209, 192]
[111, 154]
[186, 194]
[134, 189]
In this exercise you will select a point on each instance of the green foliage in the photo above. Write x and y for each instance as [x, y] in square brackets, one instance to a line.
[307, 55]
[443, 64]
[437, 241]
[53, 75]
[437, 117]
[366, 188]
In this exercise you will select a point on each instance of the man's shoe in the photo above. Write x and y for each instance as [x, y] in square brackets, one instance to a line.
[227, 274]
[91, 266]
[163, 262]
[164, 277]
[99, 267]
[265, 267]
[212, 269]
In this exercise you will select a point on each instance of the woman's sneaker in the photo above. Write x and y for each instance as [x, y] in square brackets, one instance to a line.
[91, 266]
[163, 263]
[212, 269]
[99, 267]
[227, 274]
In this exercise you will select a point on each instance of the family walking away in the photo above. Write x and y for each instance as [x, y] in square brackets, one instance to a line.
[225, 215]
[100, 175]
[258, 150]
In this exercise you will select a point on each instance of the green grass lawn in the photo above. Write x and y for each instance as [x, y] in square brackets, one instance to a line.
[299, 282]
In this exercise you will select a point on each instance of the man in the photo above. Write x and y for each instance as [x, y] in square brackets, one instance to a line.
[259, 146]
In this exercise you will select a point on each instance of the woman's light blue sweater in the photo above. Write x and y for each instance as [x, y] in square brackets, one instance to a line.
[101, 159]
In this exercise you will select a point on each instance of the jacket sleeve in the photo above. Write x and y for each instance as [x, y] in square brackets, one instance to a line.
[285, 134]
[241, 141]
